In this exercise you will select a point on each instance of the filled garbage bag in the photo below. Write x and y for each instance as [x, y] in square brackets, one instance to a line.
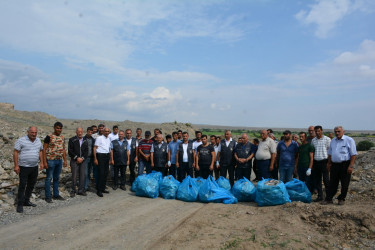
[169, 187]
[244, 190]
[223, 183]
[147, 186]
[199, 181]
[222, 195]
[298, 191]
[188, 190]
[205, 190]
[271, 192]
[157, 176]
[135, 184]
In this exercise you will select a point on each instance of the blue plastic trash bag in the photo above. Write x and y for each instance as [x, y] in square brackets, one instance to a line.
[199, 181]
[271, 192]
[157, 176]
[244, 190]
[188, 190]
[169, 187]
[147, 186]
[135, 184]
[223, 183]
[205, 190]
[298, 191]
[222, 195]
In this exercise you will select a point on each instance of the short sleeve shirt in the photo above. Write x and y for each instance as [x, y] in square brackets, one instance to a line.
[28, 151]
[205, 157]
[265, 149]
[103, 143]
[321, 147]
[304, 154]
[55, 149]
[342, 149]
[287, 154]
[173, 148]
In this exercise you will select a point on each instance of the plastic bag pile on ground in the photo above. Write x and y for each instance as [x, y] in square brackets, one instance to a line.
[268, 192]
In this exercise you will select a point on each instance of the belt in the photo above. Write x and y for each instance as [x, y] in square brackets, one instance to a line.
[320, 160]
[341, 162]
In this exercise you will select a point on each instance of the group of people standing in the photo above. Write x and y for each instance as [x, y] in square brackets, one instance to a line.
[101, 152]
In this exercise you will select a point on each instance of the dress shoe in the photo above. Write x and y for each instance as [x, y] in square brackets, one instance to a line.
[318, 199]
[82, 193]
[326, 202]
[29, 204]
[100, 194]
[72, 194]
[105, 192]
[341, 202]
[114, 187]
[60, 198]
[123, 188]
[19, 209]
[48, 200]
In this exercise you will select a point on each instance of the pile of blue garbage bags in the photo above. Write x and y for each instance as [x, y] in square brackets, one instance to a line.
[268, 192]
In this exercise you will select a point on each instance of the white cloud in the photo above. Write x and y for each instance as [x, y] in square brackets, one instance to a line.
[325, 14]
[106, 33]
[341, 72]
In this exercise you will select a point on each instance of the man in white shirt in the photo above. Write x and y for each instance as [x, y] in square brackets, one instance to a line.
[113, 136]
[185, 158]
[341, 156]
[321, 144]
[265, 155]
[101, 159]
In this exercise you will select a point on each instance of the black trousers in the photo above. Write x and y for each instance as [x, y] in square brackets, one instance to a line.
[162, 170]
[224, 169]
[244, 172]
[103, 169]
[339, 173]
[184, 170]
[204, 171]
[28, 177]
[320, 170]
[121, 169]
[171, 170]
[132, 171]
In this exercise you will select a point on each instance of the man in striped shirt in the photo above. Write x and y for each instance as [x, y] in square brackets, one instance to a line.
[27, 152]
[321, 144]
[144, 154]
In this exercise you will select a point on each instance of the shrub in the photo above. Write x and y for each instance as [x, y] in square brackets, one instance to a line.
[364, 145]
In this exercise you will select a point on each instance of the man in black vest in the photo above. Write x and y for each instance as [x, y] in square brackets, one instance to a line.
[119, 159]
[244, 153]
[225, 156]
[132, 148]
[159, 155]
[185, 158]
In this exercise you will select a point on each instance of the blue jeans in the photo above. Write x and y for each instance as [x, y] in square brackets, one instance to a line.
[53, 172]
[141, 166]
[89, 163]
[286, 173]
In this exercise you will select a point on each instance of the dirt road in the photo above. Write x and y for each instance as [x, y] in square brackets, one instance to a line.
[121, 220]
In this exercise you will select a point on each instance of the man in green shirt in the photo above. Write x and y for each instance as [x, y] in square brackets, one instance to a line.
[305, 159]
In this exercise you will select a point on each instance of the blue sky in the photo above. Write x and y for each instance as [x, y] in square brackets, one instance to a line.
[262, 63]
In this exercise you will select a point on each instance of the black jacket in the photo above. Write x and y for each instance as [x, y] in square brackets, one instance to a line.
[75, 150]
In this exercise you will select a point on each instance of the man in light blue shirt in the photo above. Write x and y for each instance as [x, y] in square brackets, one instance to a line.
[172, 151]
[341, 156]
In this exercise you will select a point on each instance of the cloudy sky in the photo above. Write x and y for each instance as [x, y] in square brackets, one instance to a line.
[271, 63]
